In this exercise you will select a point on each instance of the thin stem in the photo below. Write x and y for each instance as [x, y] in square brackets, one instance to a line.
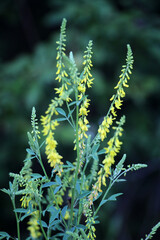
[40, 222]
[41, 163]
[69, 110]
[78, 162]
[16, 215]
[82, 180]
[112, 181]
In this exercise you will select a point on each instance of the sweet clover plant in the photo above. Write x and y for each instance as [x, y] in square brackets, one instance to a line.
[61, 204]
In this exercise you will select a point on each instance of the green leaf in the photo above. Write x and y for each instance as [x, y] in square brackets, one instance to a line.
[36, 175]
[30, 151]
[48, 184]
[84, 194]
[4, 235]
[103, 202]
[81, 226]
[7, 191]
[44, 224]
[61, 119]
[61, 111]
[71, 112]
[73, 103]
[103, 151]
[121, 180]
[114, 197]
[25, 215]
[63, 212]
[95, 148]
[54, 215]
[70, 164]
[58, 180]
[95, 157]
[57, 189]
[54, 223]
[21, 210]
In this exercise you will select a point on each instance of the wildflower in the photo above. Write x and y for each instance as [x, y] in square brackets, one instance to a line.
[89, 222]
[116, 99]
[83, 122]
[87, 76]
[67, 215]
[104, 128]
[113, 148]
[25, 200]
[34, 226]
[61, 73]
[34, 123]
[52, 155]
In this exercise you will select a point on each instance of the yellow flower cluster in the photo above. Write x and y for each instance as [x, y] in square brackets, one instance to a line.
[96, 188]
[83, 112]
[52, 155]
[105, 126]
[116, 99]
[90, 224]
[25, 200]
[87, 76]
[30, 191]
[54, 158]
[113, 148]
[34, 226]
[60, 53]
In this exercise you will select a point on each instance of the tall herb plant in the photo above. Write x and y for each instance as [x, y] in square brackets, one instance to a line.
[61, 204]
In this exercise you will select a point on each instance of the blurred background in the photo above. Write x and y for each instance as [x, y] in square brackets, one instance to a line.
[29, 31]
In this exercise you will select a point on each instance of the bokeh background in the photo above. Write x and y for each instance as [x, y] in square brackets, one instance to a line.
[29, 31]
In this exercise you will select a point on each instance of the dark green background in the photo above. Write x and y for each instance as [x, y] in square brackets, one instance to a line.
[29, 30]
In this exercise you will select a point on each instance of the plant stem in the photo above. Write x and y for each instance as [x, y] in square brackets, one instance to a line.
[41, 163]
[77, 165]
[69, 110]
[16, 215]
[112, 181]
[40, 223]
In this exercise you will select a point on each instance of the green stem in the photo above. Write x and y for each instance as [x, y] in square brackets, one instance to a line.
[77, 165]
[40, 222]
[69, 110]
[41, 163]
[110, 186]
[16, 215]
[82, 178]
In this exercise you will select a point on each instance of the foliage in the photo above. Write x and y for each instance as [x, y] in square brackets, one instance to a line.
[88, 179]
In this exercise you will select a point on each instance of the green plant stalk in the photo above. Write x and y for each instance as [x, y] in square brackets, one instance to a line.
[80, 204]
[73, 124]
[16, 215]
[110, 186]
[40, 223]
[41, 163]
[78, 163]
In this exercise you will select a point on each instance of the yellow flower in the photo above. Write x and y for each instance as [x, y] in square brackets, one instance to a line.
[25, 201]
[104, 127]
[67, 215]
[34, 226]
[83, 111]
